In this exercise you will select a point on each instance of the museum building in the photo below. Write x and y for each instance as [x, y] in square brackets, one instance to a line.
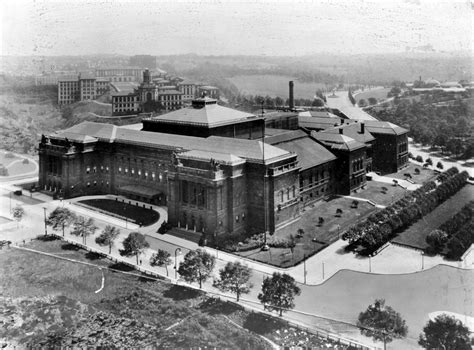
[209, 166]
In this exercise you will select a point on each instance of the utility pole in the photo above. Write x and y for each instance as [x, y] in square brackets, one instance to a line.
[304, 268]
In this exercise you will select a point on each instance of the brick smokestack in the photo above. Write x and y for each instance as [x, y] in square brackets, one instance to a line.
[292, 97]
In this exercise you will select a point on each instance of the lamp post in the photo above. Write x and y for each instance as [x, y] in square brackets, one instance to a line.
[304, 268]
[370, 264]
[10, 202]
[323, 270]
[45, 223]
[422, 260]
[178, 250]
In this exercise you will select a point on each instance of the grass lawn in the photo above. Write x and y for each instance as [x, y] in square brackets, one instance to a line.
[424, 176]
[323, 235]
[4, 160]
[134, 213]
[20, 168]
[379, 94]
[380, 193]
[415, 235]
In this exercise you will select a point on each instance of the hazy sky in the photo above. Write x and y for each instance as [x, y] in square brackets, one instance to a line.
[235, 27]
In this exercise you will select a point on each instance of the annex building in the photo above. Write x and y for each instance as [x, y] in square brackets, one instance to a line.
[219, 170]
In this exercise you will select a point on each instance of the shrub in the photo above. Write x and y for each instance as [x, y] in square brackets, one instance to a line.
[429, 161]
[419, 159]
[417, 171]
[25, 161]
[439, 165]
[436, 240]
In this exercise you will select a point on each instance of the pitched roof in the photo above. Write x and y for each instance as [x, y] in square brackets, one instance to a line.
[337, 141]
[208, 113]
[319, 122]
[282, 136]
[310, 153]
[353, 130]
[248, 149]
[380, 127]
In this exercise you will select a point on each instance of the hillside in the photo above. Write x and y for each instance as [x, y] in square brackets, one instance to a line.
[27, 111]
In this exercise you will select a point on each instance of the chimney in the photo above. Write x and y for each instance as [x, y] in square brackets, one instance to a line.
[362, 128]
[292, 98]
[340, 131]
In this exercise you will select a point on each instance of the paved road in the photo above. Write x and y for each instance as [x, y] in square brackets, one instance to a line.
[340, 100]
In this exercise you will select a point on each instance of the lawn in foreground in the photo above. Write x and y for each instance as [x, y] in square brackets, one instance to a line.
[135, 213]
[57, 301]
[415, 235]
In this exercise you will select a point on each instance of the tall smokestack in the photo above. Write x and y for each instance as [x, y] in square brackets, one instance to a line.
[292, 97]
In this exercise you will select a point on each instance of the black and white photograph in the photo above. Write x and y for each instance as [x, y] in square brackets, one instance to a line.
[242, 174]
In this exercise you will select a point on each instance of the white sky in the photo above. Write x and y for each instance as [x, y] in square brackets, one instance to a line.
[237, 27]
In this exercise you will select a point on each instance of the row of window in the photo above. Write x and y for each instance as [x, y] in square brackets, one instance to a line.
[290, 193]
[146, 174]
[357, 164]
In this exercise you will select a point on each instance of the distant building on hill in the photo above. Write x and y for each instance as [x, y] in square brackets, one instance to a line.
[158, 93]
[82, 87]
[125, 74]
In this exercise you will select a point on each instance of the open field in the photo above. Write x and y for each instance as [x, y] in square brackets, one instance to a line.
[315, 237]
[274, 85]
[415, 235]
[379, 94]
[140, 215]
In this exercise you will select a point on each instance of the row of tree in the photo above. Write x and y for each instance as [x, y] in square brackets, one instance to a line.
[381, 226]
[456, 234]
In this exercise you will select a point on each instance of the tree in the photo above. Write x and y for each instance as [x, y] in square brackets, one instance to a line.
[382, 323]
[419, 159]
[161, 258]
[300, 233]
[60, 218]
[234, 277]
[134, 244]
[362, 103]
[429, 161]
[372, 101]
[197, 266]
[18, 212]
[83, 227]
[439, 165]
[278, 292]
[445, 332]
[436, 239]
[338, 212]
[108, 236]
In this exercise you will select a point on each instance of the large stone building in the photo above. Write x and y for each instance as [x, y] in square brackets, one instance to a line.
[219, 170]
[80, 88]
